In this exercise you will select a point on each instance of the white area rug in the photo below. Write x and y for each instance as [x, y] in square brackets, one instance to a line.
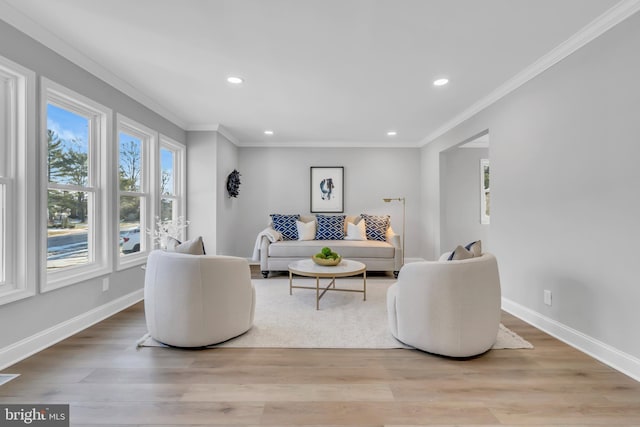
[343, 321]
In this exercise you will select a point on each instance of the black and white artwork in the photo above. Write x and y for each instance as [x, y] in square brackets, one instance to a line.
[327, 189]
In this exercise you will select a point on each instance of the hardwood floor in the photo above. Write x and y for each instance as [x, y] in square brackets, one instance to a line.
[107, 381]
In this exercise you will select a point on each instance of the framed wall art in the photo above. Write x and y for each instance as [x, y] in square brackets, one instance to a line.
[327, 189]
[485, 192]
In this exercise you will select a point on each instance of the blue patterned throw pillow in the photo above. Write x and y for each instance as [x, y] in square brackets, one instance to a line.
[376, 226]
[286, 225]
[330, 227]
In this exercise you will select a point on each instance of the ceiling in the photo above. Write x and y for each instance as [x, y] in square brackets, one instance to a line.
[335, 72]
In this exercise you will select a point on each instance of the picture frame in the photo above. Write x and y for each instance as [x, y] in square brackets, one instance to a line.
[327, 189]
[485, 192]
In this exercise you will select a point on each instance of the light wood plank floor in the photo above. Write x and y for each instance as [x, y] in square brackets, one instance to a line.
[107, 381]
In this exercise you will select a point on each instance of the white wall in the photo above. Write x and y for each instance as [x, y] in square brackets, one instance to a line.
[227, 207]
[460, 198]
[202, 187]
[25, 321]
[565, 204]
[276, 180]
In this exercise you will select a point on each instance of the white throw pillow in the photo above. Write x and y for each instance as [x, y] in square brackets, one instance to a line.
[306, 230]
[460, 253]
[191, 247]
[356, 231]
[475, 248]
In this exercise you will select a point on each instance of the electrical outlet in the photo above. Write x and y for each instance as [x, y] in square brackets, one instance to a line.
[547, 297]
[105, 284]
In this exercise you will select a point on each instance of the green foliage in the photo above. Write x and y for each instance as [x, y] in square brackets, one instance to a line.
[486, 177]
[327, 253]
[66, 165]
[130, 167]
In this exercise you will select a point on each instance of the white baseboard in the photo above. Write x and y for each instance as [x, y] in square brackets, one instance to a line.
[38, 342]
[618, 360]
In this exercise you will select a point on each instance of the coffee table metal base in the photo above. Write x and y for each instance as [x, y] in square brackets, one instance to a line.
[307, 268]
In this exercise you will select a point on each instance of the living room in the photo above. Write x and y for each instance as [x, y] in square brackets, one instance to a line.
[564, 208]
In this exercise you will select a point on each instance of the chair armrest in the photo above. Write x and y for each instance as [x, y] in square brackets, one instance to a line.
[395, 240]
[264, 253]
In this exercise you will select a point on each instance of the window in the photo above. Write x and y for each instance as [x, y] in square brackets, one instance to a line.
[76, 156]
[17, 189]
[136, 146]
[172, 181]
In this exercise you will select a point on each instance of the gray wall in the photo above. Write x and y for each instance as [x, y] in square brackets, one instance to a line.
[32, 315]
[460, 198]
[276, 180]
[565, 204]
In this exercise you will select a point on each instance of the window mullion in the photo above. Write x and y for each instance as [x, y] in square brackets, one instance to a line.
[71, 187]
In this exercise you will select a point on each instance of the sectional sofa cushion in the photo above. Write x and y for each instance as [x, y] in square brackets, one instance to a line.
[346, 248]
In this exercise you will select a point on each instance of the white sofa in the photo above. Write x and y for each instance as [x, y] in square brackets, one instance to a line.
[376, 255]
[451, 308]
[197, 300]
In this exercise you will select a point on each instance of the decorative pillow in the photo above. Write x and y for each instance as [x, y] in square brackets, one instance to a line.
[330, 227]
[306, 230]
[376, 226]
[192, 247]
[172, 243]
[356, 231]
[475, 248]
[286, 225]
[460, 253]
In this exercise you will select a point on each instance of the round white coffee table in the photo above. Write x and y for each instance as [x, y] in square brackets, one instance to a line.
[346, 268]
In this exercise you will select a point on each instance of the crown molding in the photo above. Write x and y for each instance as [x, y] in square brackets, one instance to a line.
[330, 144]
[298, 144]
[215, 128]
[596, 28]
[227, 134]
[26, 25]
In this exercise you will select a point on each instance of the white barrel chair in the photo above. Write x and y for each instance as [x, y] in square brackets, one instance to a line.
[450, 308]
[197, 300]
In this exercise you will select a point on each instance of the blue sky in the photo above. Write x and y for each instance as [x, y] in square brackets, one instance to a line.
[68, 126]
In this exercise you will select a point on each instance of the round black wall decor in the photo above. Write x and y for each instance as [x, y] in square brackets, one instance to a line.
[233, 183]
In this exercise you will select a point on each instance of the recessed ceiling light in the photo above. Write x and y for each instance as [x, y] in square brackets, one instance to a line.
[440, 82]
[392, 133]
[235, 80]
[268, 132]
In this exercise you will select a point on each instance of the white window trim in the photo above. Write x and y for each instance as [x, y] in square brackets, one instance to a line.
[20, 213]
[101, 168]
[149, 139]
[180, 179]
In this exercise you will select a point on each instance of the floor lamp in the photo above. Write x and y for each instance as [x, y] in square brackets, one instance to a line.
[404, 218]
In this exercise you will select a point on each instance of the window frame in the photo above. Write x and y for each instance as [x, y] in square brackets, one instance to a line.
[100, 152]
[18, 147]
[149, 163]
[179, 165]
